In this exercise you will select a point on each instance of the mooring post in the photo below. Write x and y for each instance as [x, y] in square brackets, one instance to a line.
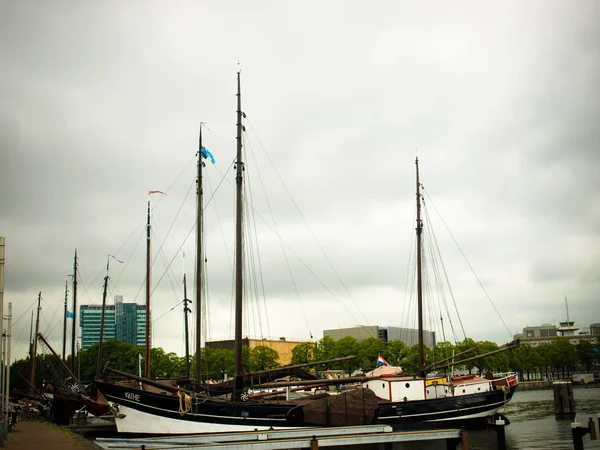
[500, 434]
[564, 401]
[577, 431]
[314, 444]
[592, 427]
[464, 439]
[451, 444]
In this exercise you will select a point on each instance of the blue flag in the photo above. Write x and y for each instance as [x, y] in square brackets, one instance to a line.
[70, 315]
[207, 155]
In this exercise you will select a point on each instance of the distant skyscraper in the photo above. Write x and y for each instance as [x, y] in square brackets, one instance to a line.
[125, 322]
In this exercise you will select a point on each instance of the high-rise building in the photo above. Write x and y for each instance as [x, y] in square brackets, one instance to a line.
[125, 322]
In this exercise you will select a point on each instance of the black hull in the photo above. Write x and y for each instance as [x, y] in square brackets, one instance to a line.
[146, 412]
[204, 410]
[64, 406]
[444, 410]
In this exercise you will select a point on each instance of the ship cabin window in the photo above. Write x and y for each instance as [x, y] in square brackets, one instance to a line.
[407, 385]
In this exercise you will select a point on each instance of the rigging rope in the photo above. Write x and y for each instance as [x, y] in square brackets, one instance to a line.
[287, 262]
[185, 403]
[320, 247]
[435, 256]
[469, 264]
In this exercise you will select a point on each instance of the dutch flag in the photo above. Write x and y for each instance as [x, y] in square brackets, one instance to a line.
[381, 361]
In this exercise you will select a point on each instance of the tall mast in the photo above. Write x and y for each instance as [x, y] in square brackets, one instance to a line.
[34, 349]
[99, 362]
[74, 336]
[238, 239]
[419, 277]
[186, 310]
[31, 335]
[567, 306]
[199, 265]
[147, 357]
[64, 349]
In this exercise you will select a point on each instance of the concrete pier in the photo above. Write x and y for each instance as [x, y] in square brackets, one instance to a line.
[45, 436]
[313, 438]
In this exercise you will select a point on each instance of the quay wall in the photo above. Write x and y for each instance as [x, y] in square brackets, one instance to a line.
[537, 385]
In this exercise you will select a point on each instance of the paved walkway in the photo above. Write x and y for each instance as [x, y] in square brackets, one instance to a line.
[45, 436]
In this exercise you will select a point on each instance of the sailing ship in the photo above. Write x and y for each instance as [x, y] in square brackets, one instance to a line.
[421, 399]
[159, 408]
[378, 398]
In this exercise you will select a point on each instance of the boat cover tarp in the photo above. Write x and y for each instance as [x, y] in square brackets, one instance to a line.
[385, 371]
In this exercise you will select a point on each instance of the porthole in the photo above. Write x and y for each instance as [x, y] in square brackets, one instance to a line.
[407, 385]
[464, 391]
[383, 385]
[478, 388]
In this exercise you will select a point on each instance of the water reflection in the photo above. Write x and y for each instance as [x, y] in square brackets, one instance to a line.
[533, 425]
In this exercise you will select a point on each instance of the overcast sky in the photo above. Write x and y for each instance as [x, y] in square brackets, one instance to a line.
[101, 102]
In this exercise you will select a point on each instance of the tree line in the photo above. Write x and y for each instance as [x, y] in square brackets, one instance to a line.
[556, 359]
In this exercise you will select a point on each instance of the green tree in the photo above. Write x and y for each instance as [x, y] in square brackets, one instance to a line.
[115, 354]
[487, 363]
[410, 362]
[395, 352]
[325, 350]
[467, 344]
[368, 351]
[564, 355]
[47, 370]
[544, 358]
[586, 354]
[217, 362]
[304, 353]
[166, 365]
[441, 356]
[263, 358]
[346, 346]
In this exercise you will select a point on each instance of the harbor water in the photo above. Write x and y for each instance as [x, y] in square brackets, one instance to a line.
[533, 425]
